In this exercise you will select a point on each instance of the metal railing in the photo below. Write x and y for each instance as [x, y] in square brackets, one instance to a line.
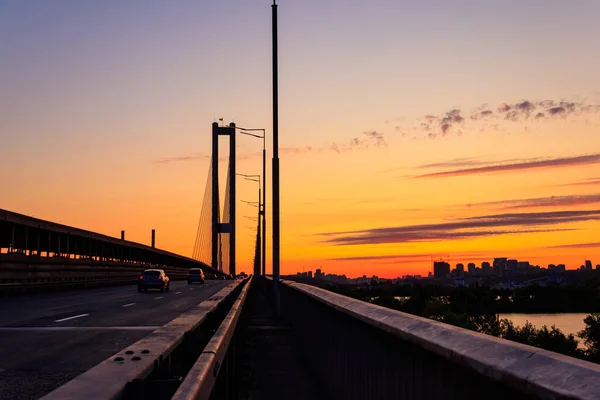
[364, 351]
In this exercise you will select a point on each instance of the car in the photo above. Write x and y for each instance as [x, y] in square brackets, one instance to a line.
[154, 279]
[195, 275]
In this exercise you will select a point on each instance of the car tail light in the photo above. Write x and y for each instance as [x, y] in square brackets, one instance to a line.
[160, 278]
[141, 276]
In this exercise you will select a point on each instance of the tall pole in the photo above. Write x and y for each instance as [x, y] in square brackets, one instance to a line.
[258, 254]
[276, 232]
[264, 209]
[215, 198]
[232, 178]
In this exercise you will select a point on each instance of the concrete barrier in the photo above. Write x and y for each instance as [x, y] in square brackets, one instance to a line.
[109, 379]
[361, 350]
[201, 379]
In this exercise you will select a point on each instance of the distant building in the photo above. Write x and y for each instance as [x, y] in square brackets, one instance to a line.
[588, 264]
[524, 265]
[319, 274]
[471, 268]
[441, 269]
[459, 282]
[500, 266]
[460, 269]
[486, 268]
[310, 274]
[512, 266]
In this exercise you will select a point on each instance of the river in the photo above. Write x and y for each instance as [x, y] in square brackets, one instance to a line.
[567, 323]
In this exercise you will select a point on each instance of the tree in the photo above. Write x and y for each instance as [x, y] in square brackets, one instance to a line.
[591, 337]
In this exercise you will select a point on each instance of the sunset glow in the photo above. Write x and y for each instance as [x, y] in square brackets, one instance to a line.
[406, 135]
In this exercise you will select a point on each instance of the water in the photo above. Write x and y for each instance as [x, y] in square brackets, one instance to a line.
[567, 323]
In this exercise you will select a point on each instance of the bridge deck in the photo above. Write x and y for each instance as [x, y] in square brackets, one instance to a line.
[269, 365]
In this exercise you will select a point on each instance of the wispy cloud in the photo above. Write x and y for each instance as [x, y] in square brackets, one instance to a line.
[552, 201]
[370, 139]
[575, 246]
[518, 166]
[455, 120]
[465, 228]
[585, 182]
[462, 162]
[168, 160]
[417, 258]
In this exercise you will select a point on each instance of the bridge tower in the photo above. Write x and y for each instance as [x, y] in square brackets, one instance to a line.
[223, 229]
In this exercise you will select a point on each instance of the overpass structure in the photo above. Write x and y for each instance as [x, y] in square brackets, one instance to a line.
[36, 239]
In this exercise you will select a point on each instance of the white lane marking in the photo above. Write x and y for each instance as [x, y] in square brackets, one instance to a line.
[77, 328]
[158, 298]
[191, 288]
[128, 305]
[177, 292]
[73, 317]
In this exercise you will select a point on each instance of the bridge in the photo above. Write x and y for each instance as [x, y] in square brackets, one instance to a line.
[74, 326]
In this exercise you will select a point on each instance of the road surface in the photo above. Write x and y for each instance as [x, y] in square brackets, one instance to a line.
[48, 339]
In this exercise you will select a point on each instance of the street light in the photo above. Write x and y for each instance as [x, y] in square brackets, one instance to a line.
[246, 131]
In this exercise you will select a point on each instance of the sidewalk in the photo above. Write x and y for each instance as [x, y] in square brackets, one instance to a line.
[268, 366]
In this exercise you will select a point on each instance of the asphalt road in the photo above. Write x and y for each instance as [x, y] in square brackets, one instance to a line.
[48, 339]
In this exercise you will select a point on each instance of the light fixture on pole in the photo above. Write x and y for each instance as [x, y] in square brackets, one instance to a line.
[246, 131]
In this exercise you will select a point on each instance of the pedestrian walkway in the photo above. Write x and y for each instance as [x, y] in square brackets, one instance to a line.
[268, 363]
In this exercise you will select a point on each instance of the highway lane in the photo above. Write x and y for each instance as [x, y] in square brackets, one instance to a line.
[48, 339]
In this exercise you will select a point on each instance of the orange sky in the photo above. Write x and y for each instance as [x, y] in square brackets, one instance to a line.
[398, 143]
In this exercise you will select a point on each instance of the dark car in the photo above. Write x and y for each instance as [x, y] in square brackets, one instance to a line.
[195, 275]
[153, 279]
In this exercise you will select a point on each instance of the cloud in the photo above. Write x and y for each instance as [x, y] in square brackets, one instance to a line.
[585, 182]
[168, 160]
[465, 228]
[433, 126]
[443, 124]
[457, 162]
[552, 201]
[518, 166]
[419, 257]
[575, 246]
[368, 140]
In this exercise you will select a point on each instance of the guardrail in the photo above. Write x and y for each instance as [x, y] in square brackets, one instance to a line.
[21, 275]
[216, 356]
[364, 351]
[123, 374]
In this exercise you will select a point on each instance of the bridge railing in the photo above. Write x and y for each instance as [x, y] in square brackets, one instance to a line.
[359, 350]
[24, 274]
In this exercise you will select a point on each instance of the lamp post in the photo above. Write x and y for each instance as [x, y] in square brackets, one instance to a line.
[246, 131]
[257, 249]
[275, 172]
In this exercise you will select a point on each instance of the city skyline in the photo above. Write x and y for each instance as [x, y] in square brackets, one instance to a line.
[422, 134]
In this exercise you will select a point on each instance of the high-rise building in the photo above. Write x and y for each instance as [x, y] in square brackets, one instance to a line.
[588, 264]
[319, 274]
[486, 268]
[460, 269]
[441, 269]
[512, 266]
[500, 266]
[471, 268]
